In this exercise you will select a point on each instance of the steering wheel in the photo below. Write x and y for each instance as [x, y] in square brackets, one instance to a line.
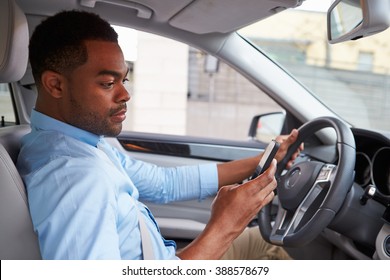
[310, 193]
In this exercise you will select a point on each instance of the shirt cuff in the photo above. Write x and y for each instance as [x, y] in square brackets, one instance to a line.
[208, 174]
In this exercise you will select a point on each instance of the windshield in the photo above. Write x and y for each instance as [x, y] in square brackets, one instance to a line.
[351, 78]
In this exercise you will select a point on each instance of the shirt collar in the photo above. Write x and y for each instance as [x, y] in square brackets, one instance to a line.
[41, 121]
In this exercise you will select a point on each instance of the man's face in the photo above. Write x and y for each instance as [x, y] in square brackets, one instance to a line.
[95, 97]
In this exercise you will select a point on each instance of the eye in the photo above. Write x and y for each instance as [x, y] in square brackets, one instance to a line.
[124, 81]
[108, 85]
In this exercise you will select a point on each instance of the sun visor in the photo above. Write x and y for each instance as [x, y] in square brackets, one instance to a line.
[200, 16]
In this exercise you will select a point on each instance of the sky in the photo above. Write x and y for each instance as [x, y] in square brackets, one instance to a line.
[316, 5]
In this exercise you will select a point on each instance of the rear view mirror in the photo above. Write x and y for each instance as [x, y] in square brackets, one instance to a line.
[355, 19]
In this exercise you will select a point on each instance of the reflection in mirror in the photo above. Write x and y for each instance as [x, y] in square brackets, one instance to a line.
[345, 17]
[266, 127]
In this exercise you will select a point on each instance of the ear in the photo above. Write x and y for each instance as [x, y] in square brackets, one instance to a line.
[53, 83]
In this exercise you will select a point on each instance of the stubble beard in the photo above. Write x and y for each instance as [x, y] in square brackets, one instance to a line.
[92, 122]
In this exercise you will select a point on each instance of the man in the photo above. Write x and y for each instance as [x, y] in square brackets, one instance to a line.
[84, 194]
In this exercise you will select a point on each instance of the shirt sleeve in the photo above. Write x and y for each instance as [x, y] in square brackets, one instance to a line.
[165, 184]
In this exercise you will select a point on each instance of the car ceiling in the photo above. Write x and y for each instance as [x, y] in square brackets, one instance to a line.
[194, 16]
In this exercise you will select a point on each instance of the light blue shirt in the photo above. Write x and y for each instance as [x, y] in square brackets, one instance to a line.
[84, 194]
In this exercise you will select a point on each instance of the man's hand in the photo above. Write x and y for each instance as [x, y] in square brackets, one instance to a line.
[285, 142]
[232, 210]
[236, 205]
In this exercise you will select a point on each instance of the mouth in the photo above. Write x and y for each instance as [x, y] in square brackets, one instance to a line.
[119, 116]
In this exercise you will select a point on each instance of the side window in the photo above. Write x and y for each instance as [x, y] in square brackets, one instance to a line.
[7, 113]
[177, 89]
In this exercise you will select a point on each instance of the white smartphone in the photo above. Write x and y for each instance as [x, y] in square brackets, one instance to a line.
[266, 159]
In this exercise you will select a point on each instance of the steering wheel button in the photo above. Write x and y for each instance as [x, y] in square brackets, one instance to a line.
[323, 174]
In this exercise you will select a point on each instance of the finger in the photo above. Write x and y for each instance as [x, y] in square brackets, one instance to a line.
[289, 138]
[264, 179]
[285, 142]
[268, 174]
[293, 136]
[295, 155]
[265, 195]
[270, 196]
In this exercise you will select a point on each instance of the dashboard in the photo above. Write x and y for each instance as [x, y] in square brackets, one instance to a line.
[372, 165]
[372, 172]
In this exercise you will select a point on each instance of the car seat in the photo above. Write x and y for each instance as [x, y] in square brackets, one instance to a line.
[17, 237]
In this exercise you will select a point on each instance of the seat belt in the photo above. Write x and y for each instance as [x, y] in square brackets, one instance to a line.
[146, 241]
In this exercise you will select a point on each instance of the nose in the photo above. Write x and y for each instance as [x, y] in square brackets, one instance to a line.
[123, 94]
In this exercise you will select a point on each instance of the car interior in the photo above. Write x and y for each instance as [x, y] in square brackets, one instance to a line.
[337, 232]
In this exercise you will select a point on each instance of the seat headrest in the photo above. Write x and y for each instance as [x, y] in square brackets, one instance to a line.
[14, 39]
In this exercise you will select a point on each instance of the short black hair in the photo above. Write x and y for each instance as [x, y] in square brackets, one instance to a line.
[57, 43]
